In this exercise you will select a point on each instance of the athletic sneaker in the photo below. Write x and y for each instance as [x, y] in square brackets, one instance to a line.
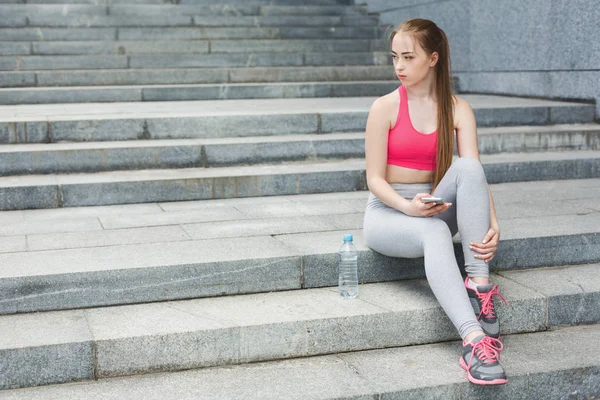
[480, 359]
[483, 305]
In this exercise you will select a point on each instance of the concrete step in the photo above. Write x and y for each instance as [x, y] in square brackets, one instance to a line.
[17, 14]
[111, 255]
[189, 33]
[95, 94]
[537, 365]
[402, 372]
[40, 63]
[283, 32]
[189, 47]
[128, 340]
[57, 34]
[142, 186]
[91, 94]
[28, 13]
[61, 158]
[223, 118]
[87, 21]
[195, 76]
[234, 5]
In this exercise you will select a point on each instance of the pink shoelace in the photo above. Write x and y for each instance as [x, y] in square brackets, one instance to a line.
[487, 304]
[487, 350]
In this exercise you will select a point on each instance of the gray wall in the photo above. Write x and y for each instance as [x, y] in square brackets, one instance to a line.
[539, 48]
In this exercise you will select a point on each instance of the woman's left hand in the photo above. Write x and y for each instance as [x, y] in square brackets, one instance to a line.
[488, 246]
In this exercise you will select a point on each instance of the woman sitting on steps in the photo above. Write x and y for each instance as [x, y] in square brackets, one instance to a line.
[409, 144]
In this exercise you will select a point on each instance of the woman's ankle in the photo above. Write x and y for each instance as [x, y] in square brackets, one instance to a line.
[472, 335]
[480, 280]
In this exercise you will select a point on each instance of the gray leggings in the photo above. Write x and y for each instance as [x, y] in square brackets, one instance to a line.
[395, 234]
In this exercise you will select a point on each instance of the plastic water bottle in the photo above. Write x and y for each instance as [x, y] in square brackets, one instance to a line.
[348, 269]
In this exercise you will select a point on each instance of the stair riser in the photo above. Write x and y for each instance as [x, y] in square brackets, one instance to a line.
[195, 76]
[241, 9]
[221, 155]
[539, 142]
[87, 21]
[231, 4]
[196, 33]
[189, 61]
[187, 47]
[542, 170]
[183, 189]
[216, 92]
[29, 367]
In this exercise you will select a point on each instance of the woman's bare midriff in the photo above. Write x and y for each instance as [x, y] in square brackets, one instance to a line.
[396, 174]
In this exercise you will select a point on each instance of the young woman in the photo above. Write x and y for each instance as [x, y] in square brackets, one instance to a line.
[409, 144]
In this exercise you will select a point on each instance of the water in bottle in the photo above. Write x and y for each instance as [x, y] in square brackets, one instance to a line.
[348, 268]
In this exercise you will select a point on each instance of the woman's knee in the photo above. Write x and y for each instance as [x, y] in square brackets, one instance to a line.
[436, 233]
[468, 166]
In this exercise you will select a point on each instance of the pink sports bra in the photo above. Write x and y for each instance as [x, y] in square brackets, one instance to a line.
[408, 147]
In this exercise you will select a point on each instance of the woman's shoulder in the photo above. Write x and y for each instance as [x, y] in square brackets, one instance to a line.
[386, 103]
[461, 105]
[462, 110]
[383, 112]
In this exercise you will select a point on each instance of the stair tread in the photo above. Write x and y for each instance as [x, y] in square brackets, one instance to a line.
[357, 164]
[94, 111]
[302, 224]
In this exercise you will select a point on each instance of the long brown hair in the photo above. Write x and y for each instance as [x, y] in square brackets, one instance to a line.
[433, 39]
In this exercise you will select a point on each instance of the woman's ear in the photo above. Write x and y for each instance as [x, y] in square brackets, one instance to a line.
[434, 59]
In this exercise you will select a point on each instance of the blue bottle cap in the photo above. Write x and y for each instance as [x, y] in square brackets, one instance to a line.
[348, 237]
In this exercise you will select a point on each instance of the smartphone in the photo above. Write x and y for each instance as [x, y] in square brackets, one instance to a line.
[436, 200]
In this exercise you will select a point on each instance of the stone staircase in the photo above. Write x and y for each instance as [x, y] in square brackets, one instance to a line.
[199, 51]
[215, 154]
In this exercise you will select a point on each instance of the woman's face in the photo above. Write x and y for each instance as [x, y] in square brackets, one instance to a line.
[411, 62]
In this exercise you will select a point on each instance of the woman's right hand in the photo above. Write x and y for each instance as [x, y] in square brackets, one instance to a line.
[419, 209]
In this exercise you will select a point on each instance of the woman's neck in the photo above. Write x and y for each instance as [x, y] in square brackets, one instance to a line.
[422, 91]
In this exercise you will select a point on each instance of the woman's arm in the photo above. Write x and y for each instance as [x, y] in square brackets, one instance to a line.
[466, 139]
[376, 140]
